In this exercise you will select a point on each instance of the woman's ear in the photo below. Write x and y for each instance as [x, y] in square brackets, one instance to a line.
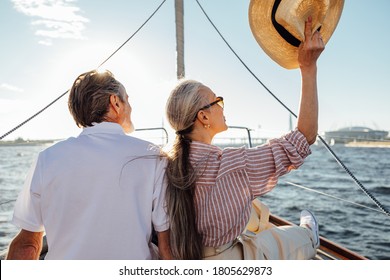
[203, 117]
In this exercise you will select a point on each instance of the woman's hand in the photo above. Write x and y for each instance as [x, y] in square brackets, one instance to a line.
[309, 50]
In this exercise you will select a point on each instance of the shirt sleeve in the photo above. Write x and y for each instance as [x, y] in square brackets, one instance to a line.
[159, 213]
[266, 163]
[27, 211]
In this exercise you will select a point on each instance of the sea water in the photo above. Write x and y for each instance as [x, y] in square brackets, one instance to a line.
[361, 229]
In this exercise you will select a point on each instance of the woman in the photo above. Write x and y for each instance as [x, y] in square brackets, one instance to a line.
[210, 191]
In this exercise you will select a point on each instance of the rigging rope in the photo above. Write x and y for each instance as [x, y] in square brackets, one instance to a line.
[333, 197]
[377, 203]
[158, 8]
[33, 116]
[101, 64]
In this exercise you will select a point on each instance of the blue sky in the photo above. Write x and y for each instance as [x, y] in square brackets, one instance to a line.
[46, 44]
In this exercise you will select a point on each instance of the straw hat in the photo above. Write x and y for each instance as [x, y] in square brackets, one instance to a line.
[278, 25]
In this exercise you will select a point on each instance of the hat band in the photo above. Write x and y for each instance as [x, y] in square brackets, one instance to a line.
[287, 36]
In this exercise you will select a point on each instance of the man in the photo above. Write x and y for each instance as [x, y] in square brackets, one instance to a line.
[99, 195]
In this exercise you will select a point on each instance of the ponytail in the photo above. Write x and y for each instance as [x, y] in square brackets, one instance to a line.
[186, 242]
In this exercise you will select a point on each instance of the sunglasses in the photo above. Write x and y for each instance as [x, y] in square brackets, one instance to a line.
[219, 101]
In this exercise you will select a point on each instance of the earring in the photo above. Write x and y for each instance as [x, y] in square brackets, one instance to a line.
[206, 126]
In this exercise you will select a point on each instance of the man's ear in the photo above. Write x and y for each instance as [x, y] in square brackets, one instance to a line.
[115, 102]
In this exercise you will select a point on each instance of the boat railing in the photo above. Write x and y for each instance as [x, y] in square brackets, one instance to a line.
[235, 140]
[248, 132]
[163, 138]
[160, 140]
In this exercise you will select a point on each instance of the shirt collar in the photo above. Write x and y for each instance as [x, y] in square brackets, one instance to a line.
[103, 127]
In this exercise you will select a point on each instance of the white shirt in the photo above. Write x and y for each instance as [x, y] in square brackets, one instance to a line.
[97, 196]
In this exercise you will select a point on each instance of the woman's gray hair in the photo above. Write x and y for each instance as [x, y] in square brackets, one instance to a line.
[183, 105]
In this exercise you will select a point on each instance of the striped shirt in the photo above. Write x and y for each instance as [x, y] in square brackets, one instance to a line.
[229, 179]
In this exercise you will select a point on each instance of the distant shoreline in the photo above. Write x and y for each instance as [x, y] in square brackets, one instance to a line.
[369, 144]
[22, 142]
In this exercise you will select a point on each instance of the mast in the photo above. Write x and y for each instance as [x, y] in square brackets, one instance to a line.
[179, 19]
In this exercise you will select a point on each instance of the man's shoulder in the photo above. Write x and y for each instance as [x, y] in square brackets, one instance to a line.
[59, 144]
[141, 144]
[57, 147]
[135, 141]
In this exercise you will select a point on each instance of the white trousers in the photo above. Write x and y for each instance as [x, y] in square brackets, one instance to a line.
[276, 243]
[263, 241]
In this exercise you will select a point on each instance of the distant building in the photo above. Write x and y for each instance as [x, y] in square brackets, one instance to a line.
[355, 134]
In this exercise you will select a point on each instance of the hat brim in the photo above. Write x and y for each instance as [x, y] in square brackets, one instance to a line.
[273, 44]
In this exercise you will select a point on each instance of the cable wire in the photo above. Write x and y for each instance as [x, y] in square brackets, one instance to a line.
[33, 116]
[101, 64]
[332, 196]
